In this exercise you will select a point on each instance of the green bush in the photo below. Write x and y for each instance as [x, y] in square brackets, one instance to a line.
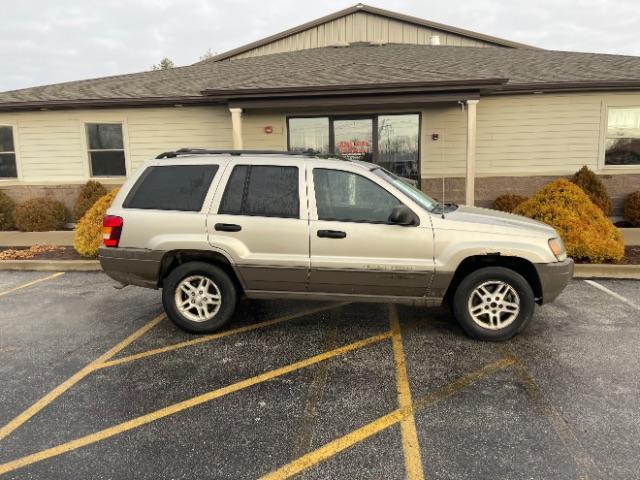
[7, 208]
[587, 233]
[40, 215]
[631, 208]
[88, 234]
[89, 194]
[593, 186]
[508, 202]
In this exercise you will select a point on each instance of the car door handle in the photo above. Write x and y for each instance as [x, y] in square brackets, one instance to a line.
[227, 227]
[331, 234]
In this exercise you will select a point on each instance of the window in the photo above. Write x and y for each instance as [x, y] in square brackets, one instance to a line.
[174, 187]
[390, 140]
[622, 144]
[398, 145]
[309, 133]
[106, 150]
[348, 197]
[7, 153]
[262, 190]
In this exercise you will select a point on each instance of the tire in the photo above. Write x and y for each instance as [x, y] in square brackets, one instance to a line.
[201, 314]
[496, 319]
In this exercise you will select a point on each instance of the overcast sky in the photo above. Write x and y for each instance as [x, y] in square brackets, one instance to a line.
[51, 41]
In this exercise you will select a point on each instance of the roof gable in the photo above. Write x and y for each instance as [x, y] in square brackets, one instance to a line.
[362, 23]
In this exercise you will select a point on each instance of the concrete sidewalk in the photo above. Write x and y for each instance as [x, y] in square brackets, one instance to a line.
[26, 239]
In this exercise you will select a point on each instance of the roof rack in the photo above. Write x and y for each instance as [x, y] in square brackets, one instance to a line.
[204, 151]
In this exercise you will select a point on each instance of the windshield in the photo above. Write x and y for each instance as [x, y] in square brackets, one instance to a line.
[421, 198]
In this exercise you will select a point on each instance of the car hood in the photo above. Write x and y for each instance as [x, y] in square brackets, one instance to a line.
[485, 216]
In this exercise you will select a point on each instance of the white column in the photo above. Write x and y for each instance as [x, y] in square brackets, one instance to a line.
[470, 183]
[236, 125]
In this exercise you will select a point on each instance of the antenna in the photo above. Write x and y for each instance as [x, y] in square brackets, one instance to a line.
[444, 137]
[443, 204]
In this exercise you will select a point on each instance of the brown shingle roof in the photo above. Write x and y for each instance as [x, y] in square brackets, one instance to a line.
[333, 67]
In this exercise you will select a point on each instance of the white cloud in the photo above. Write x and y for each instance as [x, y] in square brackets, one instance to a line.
[44, 41]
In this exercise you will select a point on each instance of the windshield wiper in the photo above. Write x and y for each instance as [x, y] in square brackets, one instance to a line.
[445, 207]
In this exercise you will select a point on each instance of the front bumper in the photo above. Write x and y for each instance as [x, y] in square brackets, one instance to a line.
[554, 277]
[132, 266]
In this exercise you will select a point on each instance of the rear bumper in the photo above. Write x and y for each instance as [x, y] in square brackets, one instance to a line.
[554, 277]
[132, 266]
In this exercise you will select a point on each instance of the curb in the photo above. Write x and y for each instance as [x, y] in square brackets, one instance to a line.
[52, 265]
[584, 270]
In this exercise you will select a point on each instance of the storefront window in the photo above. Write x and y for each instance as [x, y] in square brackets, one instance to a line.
[391, 141]
[309, 133]
[398, 145]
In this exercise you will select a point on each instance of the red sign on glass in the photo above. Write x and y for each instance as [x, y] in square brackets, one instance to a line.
[353, 146]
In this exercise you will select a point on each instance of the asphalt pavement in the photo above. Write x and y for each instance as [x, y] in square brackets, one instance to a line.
[97, 384]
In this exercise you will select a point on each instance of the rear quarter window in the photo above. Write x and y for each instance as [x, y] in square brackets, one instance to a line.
[172, 187]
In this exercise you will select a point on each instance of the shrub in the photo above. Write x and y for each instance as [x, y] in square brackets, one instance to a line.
[88, 235]
[508, 202]
[631, 208]
[40, 215]
[7, 207]
[587, 233]
[89, 194]
[593, 186]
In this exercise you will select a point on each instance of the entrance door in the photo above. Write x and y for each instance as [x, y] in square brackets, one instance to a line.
[353, 138]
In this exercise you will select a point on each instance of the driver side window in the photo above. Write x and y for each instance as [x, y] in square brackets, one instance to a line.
[349, 197]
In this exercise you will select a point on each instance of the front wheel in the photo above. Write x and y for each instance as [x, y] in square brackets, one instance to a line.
[199, 297]
[493, 303]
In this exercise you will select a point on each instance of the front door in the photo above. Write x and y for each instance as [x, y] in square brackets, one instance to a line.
[354, 249]
[353, 138]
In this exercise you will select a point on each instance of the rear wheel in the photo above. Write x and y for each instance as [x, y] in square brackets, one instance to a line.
[493, 303]
[199, 297]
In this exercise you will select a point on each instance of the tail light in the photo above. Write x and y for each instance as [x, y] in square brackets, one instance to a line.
[111, 230]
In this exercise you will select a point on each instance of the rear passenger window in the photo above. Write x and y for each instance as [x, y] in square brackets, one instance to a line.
[262, 190]
[174, 187]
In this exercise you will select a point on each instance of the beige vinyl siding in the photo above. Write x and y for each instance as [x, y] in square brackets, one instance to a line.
[545, 134]
[52, 147]
[253, 134]
[360, 27]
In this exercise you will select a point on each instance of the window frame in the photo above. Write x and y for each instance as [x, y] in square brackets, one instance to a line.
[88, 148]
[314, 210]
[359, 116]
[604, 128]
[18, 176]
[227, 177]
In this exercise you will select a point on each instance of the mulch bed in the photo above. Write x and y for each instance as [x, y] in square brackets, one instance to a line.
[40, 252]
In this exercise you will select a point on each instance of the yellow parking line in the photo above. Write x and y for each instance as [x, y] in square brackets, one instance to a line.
[215, 336]
[583, 461]
[338, 445]
[71, 381]
[20, 287]
[184, 405]
[410, 445]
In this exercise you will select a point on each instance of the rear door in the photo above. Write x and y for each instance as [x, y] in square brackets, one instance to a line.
[260, 218]
[354, 249]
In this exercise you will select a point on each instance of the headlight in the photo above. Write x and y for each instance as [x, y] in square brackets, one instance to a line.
[557, 247]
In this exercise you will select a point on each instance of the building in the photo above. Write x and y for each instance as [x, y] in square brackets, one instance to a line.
[425, 100]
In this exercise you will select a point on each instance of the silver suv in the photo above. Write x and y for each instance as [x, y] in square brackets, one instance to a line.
[209, 226]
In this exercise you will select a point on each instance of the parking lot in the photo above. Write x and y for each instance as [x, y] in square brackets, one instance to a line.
[96, 383]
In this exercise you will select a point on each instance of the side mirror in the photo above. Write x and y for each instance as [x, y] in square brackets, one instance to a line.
[402, 215]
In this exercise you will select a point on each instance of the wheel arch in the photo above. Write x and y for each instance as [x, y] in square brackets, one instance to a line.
[174, 258]
[475, 262]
